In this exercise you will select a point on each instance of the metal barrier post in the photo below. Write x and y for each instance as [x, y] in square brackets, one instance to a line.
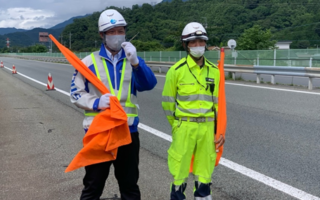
[258, 78]
[310, 63]
[274, 57]
[310, 84]
[272, 79]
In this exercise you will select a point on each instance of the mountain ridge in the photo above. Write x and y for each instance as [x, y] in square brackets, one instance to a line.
[23, 37]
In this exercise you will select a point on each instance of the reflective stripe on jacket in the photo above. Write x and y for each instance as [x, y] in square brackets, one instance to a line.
[186, 91]
[85, 96]
[128, 101]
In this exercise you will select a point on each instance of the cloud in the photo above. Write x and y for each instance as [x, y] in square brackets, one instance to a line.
[48, 13]
[25, 18]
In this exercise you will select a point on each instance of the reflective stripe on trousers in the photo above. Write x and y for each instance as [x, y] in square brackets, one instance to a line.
[190, 138]
[203, 198]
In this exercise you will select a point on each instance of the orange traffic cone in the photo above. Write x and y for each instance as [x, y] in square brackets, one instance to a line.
[50, 85]
[14, 70]
[1, 64]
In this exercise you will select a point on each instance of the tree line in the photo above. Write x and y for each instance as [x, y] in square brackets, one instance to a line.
[254, 24]
[160, 26]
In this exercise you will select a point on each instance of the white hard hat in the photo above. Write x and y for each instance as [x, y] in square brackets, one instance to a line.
[109, 19]
[192, 31]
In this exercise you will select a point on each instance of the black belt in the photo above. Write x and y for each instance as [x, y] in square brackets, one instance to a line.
[196, 119]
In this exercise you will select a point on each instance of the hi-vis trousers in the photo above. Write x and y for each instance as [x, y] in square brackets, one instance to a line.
[192, 138]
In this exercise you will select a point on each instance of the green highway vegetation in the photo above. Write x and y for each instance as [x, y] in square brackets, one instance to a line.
[254, 24]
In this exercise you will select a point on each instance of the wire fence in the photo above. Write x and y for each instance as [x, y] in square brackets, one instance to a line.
[288, 57]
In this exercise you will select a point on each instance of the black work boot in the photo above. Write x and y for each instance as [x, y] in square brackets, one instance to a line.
[177, 192]
[202, 191]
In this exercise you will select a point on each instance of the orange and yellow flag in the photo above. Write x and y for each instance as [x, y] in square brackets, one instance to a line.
[222, 106]
[222, 110]
[109, 129]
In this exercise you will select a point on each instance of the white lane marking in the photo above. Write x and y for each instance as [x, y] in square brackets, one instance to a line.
[262, 87]
[26, 60]
[34, 80]
[155, 132]
[292, 191]
[160, 75]
[272, 88]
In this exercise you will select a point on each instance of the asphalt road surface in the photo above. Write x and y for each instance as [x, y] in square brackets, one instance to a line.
[271, 150]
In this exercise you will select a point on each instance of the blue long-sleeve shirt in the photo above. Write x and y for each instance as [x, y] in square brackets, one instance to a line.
[85, 95]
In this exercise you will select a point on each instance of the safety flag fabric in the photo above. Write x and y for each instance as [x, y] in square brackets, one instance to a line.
[109, 129]
[222, 106]
[222, 110]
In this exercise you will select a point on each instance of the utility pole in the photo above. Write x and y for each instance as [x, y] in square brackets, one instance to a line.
[95, 44]
[61, 39]
[50, 45]
[8, 43]
[70, 40]
[205, 23]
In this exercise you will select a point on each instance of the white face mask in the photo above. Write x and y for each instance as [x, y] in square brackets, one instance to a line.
[114, 41]
[197, 52]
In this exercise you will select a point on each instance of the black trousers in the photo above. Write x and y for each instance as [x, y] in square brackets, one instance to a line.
[125, 169]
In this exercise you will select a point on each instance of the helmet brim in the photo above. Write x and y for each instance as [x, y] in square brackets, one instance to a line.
[111, 27]
[203, 37]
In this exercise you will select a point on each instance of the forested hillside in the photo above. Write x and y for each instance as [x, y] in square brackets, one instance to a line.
[27, 38]
[10, 30]
[160, 26]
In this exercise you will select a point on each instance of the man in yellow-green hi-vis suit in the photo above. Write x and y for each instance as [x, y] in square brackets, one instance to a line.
[190, 102]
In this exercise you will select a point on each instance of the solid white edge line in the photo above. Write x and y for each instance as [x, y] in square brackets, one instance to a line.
[272, 88]
[155, 132]
[34, 80]
[262, 87]
[292, 191]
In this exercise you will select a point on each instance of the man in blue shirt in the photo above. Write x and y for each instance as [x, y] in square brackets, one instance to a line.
[124, 73]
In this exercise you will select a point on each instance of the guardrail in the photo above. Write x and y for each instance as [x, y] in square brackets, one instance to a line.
[309, 72]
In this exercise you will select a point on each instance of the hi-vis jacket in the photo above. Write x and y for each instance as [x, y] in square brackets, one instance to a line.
[122, 81]
[186, 92]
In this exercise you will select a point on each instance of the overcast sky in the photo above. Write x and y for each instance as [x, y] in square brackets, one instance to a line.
[29, 14]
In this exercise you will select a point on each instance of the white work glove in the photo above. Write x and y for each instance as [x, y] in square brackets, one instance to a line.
[104, 101]
[131, 53]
